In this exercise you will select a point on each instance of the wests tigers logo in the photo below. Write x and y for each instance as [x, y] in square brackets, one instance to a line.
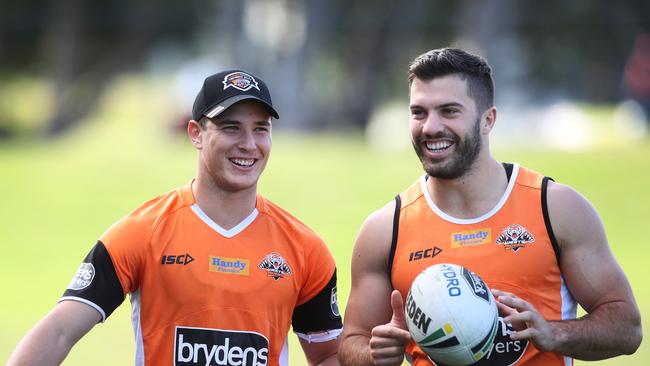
[275, 266]
[515, 237]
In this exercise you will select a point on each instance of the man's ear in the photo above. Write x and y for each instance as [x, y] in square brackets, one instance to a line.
[194, 131]
[488, 119]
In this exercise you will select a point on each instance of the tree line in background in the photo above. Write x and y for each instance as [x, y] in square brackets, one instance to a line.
[329, 62]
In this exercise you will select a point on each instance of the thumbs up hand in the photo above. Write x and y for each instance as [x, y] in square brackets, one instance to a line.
[388, 341]
[399, 317]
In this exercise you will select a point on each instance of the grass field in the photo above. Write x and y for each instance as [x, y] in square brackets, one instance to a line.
[60, 196]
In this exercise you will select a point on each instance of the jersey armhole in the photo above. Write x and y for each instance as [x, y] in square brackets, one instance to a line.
[393, 243]
[547, 220]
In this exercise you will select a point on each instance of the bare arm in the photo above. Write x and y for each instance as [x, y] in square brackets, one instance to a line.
[321, 353]
[613, 325]
[372, 333]
[50, 340]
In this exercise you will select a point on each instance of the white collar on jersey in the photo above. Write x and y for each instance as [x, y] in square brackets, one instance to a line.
[227, 233]
[494, 210]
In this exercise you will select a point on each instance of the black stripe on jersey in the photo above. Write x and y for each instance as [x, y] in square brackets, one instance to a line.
[393, 242]
[320, 313]
[547, 219]
[105, 289]
[509, 167]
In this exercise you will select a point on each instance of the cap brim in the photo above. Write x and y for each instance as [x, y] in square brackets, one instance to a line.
[222, 106]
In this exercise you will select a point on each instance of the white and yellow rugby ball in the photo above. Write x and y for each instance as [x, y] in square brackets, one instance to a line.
[451, 314]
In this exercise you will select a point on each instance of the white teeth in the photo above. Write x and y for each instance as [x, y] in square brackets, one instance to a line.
[438, 145]
[243, 162]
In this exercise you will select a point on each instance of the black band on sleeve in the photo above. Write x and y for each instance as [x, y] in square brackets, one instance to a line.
[319, 314]
[547, 219]
[393, 242]
[96, 282]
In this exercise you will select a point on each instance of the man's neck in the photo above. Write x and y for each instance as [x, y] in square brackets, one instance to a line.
[225, 208]
[472, 195]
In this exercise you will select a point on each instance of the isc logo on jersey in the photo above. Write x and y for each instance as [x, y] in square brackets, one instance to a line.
[204, 346]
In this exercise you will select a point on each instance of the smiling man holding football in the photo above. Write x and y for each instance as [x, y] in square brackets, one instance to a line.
[538, 244]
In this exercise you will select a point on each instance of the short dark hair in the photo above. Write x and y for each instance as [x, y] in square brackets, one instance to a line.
[203, 121]
[447, 61]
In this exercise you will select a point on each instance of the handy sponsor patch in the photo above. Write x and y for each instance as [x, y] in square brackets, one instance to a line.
[235, 266]
[471, 237]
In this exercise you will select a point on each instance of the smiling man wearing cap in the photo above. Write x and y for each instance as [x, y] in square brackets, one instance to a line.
[215, 272]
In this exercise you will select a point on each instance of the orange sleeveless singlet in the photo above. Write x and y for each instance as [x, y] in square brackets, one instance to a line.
[512, 248]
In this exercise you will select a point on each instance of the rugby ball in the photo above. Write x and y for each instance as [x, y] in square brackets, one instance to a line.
[451, 314]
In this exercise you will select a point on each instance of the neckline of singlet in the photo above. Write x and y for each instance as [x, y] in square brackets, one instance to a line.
[511, 183]
[228, 233]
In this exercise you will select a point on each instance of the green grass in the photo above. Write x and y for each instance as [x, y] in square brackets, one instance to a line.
[60, 196]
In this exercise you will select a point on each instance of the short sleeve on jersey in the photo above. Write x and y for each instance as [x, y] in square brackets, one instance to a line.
[96, 283]
[319, 314]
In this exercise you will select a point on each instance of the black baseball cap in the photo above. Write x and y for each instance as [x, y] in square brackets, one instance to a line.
[223, 89]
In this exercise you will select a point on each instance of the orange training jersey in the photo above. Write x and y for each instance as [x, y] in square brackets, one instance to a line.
[203, 295]
[511, 248]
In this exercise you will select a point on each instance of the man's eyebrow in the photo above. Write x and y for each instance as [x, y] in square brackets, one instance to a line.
[441, 106]
[227, 122]
[450, 104]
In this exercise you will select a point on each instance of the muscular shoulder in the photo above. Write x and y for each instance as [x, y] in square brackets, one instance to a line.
[572, 216]
[374, 238]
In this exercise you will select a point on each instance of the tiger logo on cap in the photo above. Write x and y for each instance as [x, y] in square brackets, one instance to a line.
[239, 80]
